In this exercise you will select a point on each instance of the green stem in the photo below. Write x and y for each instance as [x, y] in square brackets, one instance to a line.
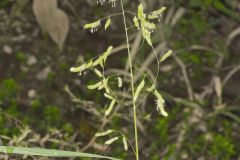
[132, 84]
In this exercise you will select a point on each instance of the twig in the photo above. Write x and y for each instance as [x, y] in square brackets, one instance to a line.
[185, 76]
[230, 74]
[150, 59]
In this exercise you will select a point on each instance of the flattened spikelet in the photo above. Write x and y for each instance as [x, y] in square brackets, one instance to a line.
[166, 55]
[110, 141]
[100, 1]
[136, 23]
[93, 26]
[113, 3]
[101, 134]
[107, 24]
[156, 14]
[160, 102]
[108, 111]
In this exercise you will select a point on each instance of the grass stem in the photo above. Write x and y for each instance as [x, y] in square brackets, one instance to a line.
[132, 83]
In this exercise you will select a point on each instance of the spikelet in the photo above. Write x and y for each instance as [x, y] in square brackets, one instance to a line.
[105, 84]
[139, 89]
[125, 143]
[108, 96]
[78, 69]
[119, 82]
[166, 55]
[160, 102]
[141, 14]
[150, 26]
[100, 2]
[101, 134]
[136, 23]
[107, 24]
[147, 27]
[113, 3]
[110, 141]
[107, 53]
[108, 111]
[81, 68]
[93, 26]
[156, 14]
[147, 35]
[96, 85]
[150, 89]
[98, 73]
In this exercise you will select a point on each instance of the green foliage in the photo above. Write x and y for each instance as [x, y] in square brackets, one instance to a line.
[35, 104]
[218, 147]
[48, 152]
[8, 89]
[20, 56]
[221, 147]
[4, 3]
[199, 23]
[68, 128]
[161, 129]
[52, 113]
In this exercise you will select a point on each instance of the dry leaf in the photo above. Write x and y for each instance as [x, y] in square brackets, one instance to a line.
[218, 88]
[42, 75]
[45, 158]
[7, 49]
[52, 20]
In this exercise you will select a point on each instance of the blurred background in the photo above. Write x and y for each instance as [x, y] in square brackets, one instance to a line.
[42, 104]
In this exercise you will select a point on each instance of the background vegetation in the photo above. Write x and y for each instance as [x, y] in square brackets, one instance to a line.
[44, 105]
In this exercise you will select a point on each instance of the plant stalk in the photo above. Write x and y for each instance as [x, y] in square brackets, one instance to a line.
[132, 84]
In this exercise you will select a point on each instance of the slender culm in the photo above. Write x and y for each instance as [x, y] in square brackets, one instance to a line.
[132, 84]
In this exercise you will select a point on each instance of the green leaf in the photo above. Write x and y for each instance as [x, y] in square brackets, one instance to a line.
[139, 88]
[110, 141]
[48, 152]
[108, 111]
[101, 134]
[107, 24]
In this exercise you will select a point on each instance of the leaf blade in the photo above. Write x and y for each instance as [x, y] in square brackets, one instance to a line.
[49, 152]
